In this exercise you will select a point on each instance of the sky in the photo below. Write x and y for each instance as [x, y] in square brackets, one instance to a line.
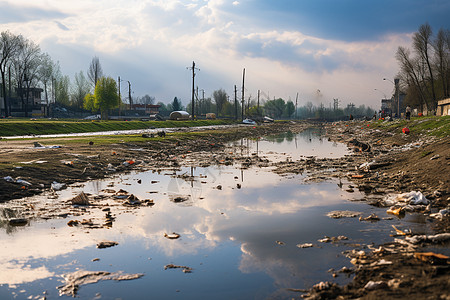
[320, 49]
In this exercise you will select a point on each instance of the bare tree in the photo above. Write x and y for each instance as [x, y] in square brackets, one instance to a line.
[46, 73]
[442, 59]
[27, 62]
[95, 71]
[9, 45]
[147, 100]
[422, 44]
[79, 89]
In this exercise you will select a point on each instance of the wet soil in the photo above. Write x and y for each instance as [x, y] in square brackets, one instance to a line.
[383, 162]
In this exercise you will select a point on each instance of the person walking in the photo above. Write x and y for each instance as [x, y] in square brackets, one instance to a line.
[408, 113]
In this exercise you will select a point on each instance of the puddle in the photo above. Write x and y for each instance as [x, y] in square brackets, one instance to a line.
[293, 146]
[238, 233]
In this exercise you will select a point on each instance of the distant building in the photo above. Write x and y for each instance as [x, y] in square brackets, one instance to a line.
[443, 107]
[149, 109]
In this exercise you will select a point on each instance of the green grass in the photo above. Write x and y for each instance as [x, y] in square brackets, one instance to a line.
[19, 127]
[434, 126]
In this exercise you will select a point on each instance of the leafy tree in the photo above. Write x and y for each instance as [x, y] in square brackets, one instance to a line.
[95, 71]
[62, 84]
[164, 110]
[89, 102]
[220, 98]
[275, 108]
[176, 104]
[290, 109]
[106, 96]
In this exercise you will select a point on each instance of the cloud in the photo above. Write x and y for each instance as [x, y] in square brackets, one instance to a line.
[13, 13]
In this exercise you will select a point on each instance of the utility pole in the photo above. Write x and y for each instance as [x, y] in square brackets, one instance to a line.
[243, 88]
[129, 95]
[120, 97]
[296, 102]
[235, 103]
[193, 87]
[396, 82]
[196, 96]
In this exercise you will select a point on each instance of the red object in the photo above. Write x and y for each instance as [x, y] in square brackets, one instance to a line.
[405, 130]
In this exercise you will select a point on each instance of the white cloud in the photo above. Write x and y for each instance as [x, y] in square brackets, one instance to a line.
[169, 33]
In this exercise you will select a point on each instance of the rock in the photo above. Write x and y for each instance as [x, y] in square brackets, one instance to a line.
[81, 199]
[106, 244]
[76, 279]
[337, 214]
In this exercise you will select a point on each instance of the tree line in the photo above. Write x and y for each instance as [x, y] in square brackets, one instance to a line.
[425, 70]
[23, 66]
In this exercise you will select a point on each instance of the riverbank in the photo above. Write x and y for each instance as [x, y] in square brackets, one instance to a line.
[385, 161]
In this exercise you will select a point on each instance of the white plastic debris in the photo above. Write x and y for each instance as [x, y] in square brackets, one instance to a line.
[305, 245]
[441, 213]
[58, 186]
[373, 285]
[23, 182]
[9, 179]
[411, 198]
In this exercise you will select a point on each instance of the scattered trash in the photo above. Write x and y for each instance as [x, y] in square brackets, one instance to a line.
[18, 222]
[248, 122]
[9, 179]
[438, 238]
[399, 232]
[132, 200]
[305, 245]
[178, 199]
[359, 146]
[106, 244]
[435, 157]
[374, 285]
[412, 198]
[372, 217]
[128, 163]
[57, 186]
[76, 279]
[280, 243]
[441, 214]
[337, 214]
[172, 266]
[405, 130]
[172, 236]
[23, 182]
[397, 211]
[328, 239]
[433, 258]
[81, 199]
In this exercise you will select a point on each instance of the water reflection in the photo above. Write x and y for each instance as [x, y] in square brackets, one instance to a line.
[229, 220]
[310, 142]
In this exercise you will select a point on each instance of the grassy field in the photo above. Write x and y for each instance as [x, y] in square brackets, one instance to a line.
[19, 127]
[435, 126]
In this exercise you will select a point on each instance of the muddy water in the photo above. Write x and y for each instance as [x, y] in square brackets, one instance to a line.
[239, 231]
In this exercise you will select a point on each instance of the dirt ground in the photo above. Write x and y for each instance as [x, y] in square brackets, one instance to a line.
[383, 162]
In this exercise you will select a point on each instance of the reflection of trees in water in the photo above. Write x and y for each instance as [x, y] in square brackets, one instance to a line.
[307, 135]
[5, 215]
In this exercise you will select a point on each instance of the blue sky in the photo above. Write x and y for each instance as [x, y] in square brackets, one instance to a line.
[343, 47]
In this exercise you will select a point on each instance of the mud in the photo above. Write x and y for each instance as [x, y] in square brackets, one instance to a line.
[384, 164]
